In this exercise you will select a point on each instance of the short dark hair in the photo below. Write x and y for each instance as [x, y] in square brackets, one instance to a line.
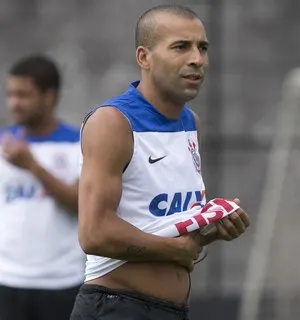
[41, 69]
[145, 34]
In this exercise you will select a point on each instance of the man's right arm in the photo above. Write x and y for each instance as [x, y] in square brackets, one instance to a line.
[107, 146]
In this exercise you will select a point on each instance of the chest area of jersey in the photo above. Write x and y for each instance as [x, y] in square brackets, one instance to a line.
[168, 168]
[165, 153]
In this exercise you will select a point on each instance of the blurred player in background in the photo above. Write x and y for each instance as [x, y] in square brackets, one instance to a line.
[141, 165]
[41, 262]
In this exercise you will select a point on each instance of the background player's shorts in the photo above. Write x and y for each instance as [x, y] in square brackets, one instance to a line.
[36, 304]
[97, 302]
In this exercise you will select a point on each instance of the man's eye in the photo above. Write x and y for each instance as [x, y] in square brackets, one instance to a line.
[181, 47]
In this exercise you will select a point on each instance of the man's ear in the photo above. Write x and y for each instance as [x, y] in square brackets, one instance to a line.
[143, 57]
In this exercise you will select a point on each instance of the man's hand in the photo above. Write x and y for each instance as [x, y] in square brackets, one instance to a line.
[228, 228]
[233, 226]
[16, 151]
[191, 249]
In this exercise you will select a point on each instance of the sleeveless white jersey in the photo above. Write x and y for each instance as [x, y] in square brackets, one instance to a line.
[163, 177]
[39, 245]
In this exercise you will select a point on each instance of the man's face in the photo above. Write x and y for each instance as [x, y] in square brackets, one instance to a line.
[25, 101]
[179, 57]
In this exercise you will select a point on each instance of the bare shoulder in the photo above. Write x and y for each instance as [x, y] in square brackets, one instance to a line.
[107, 134]
[107, 119]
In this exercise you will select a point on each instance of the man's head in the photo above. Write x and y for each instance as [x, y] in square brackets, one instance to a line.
[32, 89]
[171, 50]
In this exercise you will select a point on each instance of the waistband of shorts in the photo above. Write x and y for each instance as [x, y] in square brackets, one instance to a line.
[171, 306]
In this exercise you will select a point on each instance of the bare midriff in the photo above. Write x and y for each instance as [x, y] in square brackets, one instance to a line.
[165, 281]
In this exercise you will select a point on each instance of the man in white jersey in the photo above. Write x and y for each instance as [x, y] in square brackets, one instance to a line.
[41, 262]
[141, 167]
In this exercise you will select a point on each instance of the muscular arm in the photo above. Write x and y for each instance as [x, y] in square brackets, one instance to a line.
[107, 147]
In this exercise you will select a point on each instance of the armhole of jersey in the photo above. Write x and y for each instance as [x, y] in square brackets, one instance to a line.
[191, 117]
[86, 119]
[83, 124]
[194, 119]
[125, 116]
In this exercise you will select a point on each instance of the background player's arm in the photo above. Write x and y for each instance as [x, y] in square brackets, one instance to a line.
[65, 194]
[16, 151]
[107, 146]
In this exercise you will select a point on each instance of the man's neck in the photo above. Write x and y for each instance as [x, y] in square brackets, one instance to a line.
[43, 128]
[165, 106]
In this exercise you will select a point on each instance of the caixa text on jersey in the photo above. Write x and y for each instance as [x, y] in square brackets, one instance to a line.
[165, 204]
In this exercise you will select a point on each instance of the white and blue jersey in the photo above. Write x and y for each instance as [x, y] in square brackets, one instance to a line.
[38, 239]
[164, 174]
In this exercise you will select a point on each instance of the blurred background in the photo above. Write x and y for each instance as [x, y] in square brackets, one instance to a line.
[249, 108]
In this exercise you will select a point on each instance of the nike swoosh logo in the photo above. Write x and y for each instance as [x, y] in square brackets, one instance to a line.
[155, 160]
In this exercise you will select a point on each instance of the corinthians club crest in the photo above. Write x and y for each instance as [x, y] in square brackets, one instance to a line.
[195, 156]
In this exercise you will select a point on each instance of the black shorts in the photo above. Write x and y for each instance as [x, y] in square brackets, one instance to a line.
[95, 302]
[36, 304]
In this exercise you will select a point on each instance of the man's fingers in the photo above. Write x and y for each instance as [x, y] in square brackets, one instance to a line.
[238, 223]
[233, 226]
[9, 144]
[237, 200]
[244, 217]
[6, 141]
[223, 232]
[230, 227]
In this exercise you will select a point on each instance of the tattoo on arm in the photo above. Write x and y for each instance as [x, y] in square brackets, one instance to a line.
[135, 250]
